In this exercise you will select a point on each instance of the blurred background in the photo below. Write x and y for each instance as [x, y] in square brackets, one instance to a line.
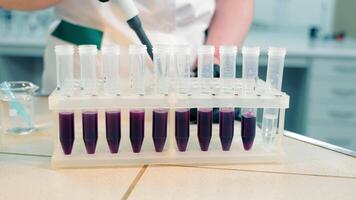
[320, 68]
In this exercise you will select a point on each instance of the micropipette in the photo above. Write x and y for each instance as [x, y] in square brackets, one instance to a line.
[130, 11]
[274, 79]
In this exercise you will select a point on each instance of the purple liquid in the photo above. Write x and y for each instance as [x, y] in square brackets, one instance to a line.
[66, 131]
[90, 130]
[113, 130]
[226, 131]
[205, 123]
[137, 129]
[248, 129]
[182, 128]
[159, 132]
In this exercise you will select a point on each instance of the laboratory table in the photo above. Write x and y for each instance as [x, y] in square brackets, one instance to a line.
[308, 172]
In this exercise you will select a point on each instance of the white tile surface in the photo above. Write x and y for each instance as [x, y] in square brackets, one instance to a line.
[197, 183]
[29, 177]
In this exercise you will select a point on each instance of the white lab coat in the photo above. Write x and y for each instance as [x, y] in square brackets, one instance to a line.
[165, 22]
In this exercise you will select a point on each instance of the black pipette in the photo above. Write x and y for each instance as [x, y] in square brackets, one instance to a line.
[130, 11]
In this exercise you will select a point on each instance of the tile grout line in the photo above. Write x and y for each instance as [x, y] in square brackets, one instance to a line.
[25, 154]
[134, 182]
[260, 171]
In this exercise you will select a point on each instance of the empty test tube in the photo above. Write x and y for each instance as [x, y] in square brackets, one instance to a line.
[205, 67]
[64, 66]
[137, 68]
[137, 129]
[274, 79]
[110, 58]
[227, 67]
[88, 68]
[250, 56]
[161, 61]
[181, 63]
[66, 131]
[90, 130]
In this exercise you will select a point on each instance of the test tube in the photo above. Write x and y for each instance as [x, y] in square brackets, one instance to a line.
[88, 68]
[182, 118]
[205, 123]
[113, 129]
[161, 61]
[205, 67]
[250, 57]
[137, 129]
[274, 79]
[227, 74]
[66, 131]
[110, 57]
[159, 128]
[137, 68]
[64, 66]
[227, 67]
[182, 63]
[90, 130]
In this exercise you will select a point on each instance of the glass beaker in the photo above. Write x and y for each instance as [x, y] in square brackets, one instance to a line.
[17, 107]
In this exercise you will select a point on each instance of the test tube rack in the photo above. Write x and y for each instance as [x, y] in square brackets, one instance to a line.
[263, 96]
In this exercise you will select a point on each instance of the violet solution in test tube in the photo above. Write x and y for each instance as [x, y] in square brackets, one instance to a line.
[113, 130]
[90, 130]
[205, 123]
[159, 132]
[226, 127]
[137, 129]
[182, 118]
[248, 129]
[66, 131]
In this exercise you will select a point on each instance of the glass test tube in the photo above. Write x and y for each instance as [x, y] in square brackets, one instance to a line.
[182, 63]
[205, 67]
[227, 74]
[137, 68]
[250, 56]
[64, 67]
[161, 61]
[274, 80]
[110, 57]
[88, 69]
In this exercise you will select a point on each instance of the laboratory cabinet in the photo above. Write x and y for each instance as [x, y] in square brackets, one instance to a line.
[331, 101]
